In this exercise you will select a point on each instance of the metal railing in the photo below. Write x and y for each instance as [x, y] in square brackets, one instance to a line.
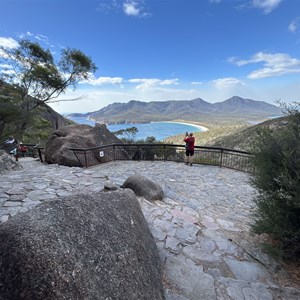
[233, 159]
[30, 151]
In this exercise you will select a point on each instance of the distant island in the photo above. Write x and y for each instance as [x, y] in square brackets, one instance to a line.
[234, 108]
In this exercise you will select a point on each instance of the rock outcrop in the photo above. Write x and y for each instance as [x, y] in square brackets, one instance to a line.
[77, 136]
[7, 162]
[52, 116]
[95, 246]
[144, 187]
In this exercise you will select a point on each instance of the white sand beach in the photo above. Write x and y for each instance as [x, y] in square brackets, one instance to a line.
[202, 128]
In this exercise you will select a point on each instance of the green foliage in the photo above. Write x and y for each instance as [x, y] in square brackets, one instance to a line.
[31, 79]
[277, 179]
[141, 152]
[9, 109]
[37, 77]
[76, 63]
[37, 131]
[273, 250]
[127, 135]
[8, 113]
[148, 140]
[28, 128]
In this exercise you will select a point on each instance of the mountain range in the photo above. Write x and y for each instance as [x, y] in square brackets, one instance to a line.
[192, 110]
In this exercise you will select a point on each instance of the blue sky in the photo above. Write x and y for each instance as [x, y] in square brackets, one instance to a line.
[157, 50]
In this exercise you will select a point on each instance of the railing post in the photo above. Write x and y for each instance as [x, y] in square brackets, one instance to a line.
[85, 158]
[221, 160]
[164, 153]
[40, 154]
[139, 152]
[114, 152]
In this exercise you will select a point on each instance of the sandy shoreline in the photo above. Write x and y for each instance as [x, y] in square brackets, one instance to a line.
[199, 127]
[202, 128]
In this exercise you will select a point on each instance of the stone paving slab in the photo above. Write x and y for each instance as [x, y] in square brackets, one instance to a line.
[202, 226]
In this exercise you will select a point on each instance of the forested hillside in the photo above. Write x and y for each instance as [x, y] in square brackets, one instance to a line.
[34, 126]
[232, 135]
[235, 108]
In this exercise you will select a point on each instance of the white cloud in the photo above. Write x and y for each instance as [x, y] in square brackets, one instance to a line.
[135, 8]
[7, 72]
[294, 25]
[169, 81]
[274, 64]
[5, 66]
[26, 34]
[266, 5]
[227, 83]
[97, 97]
[196, 83]
[41, 37]
[104, 80]
[37, 36]
[8, 42]
[131, 8]
[145, 83]
[215, 1]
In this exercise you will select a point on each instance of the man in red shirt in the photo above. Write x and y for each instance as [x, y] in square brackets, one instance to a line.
[189, 149]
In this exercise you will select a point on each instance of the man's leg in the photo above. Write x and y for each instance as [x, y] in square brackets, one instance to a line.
[187, 155]
[191, 158]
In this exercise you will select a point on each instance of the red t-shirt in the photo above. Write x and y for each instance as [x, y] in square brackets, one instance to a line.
[190, 141]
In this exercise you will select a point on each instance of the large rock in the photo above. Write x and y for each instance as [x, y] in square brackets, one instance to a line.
[77, 136]
[95, 246]
[8, 163]
[52, 116]
[144, 187]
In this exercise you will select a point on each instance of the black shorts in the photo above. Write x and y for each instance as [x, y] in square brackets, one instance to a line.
[189, 152]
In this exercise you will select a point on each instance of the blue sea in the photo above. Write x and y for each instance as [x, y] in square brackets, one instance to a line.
[160, 130]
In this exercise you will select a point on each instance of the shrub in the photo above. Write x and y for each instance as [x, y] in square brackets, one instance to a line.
[277, 180]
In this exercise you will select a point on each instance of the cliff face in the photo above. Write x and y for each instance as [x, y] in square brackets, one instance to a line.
[53, 117]
[35, 126]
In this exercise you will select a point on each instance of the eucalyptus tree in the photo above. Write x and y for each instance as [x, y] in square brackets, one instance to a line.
[37, 77]
[128, 134]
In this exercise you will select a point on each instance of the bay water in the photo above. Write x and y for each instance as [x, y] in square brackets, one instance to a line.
[160, 130]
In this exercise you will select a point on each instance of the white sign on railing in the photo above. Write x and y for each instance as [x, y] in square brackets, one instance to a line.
[101, 153]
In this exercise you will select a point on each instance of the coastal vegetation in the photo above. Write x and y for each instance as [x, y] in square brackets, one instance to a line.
[216, 130]
[34, 126]
[35, 75]
[30, 80]
[128, 135]
[277, 177]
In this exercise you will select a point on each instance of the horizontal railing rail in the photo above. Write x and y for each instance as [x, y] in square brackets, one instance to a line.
[222, 157]
[31, 150]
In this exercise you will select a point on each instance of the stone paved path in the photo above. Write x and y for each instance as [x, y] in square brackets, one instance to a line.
[201, 228]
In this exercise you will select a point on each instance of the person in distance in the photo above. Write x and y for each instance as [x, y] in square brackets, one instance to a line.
[189, 148]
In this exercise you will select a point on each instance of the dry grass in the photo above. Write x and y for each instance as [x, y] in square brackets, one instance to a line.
[216, 129]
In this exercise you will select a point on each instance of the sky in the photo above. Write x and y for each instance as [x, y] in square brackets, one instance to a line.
[159, 50]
